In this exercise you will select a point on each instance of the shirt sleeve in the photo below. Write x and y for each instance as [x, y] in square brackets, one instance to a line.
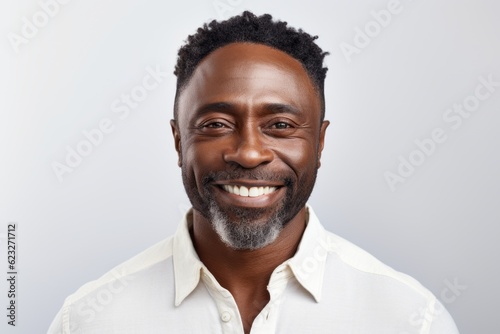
[56, 325]
[442, 322]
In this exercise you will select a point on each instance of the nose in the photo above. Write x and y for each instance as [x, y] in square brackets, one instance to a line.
[249, 149]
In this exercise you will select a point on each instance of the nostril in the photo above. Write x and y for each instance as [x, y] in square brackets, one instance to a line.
[249, 155]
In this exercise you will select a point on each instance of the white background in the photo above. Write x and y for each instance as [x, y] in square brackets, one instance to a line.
[440, 225]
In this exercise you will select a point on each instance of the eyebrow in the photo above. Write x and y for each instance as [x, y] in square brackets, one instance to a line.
[282, 108]
[217, 106]
[226, 107]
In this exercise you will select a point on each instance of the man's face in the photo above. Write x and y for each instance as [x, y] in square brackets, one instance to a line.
[249, 139]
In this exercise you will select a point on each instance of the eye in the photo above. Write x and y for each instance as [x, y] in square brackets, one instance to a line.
[214, 125]
[281, 125]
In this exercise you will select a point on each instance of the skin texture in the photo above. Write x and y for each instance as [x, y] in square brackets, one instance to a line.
[250, 115]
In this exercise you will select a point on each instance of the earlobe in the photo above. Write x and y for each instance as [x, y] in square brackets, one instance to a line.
[177, 141]
[322, 134]
[179, 160]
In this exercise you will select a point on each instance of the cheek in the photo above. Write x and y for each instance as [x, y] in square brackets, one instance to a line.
[201, 158]
[300, 155]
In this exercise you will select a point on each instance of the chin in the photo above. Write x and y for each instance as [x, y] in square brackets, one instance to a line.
[248, 230]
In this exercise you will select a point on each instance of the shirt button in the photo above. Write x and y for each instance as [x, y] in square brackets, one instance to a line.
[225, 316]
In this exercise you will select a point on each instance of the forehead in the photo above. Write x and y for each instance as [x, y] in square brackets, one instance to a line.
[249, 74]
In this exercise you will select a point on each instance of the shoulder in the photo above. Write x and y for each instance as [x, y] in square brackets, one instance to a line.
[129, 280]
[133, 267]
[373, 288]
[364, 263]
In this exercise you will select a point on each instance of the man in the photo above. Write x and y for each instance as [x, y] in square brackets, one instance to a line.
[251, 256]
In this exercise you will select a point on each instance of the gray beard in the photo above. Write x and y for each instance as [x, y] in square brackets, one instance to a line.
[245, 234]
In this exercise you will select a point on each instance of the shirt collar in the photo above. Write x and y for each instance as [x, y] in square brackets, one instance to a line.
[307, 265]
[187, 264]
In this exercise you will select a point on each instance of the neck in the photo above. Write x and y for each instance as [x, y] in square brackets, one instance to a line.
[238, 270]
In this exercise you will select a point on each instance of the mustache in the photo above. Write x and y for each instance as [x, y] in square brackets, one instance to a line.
[261, 175]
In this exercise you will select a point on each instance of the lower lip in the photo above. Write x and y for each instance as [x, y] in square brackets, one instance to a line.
[246, 201]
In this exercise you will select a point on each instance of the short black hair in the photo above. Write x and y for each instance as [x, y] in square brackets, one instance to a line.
[250, 28]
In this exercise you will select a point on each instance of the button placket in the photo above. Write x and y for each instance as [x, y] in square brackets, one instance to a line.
[226, 305]
[267, 319]
[225, 316]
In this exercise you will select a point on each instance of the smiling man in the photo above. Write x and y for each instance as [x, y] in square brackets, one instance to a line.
[251, 256]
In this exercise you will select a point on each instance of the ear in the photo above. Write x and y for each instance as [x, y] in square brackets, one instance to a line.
[177, 140]
[322, 133]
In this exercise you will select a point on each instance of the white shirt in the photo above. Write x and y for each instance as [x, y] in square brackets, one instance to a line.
[328, 286]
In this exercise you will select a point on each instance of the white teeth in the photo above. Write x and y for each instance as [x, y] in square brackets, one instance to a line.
[253, 192]
[248, 192]
[243, 191]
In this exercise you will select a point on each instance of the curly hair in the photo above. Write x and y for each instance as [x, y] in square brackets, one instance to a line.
[250, 28]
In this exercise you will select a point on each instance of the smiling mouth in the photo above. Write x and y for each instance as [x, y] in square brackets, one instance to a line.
[248, 191]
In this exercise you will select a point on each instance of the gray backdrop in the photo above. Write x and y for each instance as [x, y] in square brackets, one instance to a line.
[409, 172]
